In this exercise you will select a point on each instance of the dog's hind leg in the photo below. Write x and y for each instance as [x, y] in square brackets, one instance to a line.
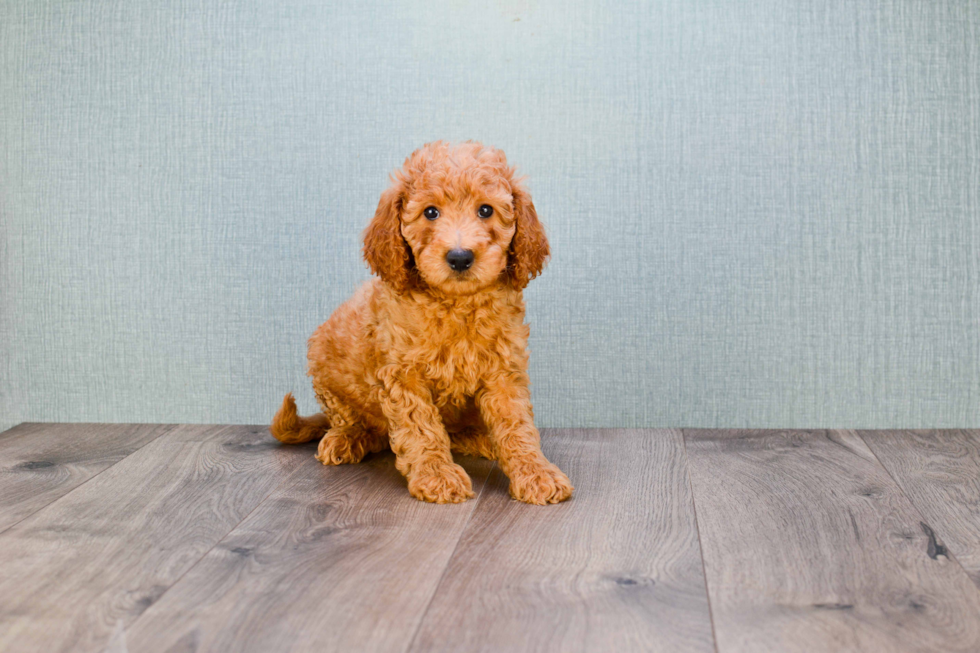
[348, 439]
[468, 434]
[473, 440]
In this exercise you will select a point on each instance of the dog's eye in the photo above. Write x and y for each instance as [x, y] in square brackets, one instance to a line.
[485, 211]
[431, 213]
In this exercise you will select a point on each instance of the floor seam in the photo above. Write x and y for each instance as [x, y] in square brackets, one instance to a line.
[697, 528]
[173, 427]
[462, 532]
[289, 476]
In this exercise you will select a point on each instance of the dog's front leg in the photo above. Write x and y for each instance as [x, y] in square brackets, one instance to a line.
[421, 445]
[505, 403]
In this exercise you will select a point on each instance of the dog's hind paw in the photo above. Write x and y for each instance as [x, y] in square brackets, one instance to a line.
[342, 445]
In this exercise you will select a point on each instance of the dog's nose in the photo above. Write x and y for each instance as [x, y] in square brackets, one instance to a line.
[460, 259]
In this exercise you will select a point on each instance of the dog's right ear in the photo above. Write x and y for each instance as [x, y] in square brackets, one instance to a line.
[385, 250]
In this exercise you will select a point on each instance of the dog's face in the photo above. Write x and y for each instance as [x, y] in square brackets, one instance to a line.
[455, 220]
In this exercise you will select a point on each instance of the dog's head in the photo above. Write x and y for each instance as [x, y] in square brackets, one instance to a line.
[455, 219]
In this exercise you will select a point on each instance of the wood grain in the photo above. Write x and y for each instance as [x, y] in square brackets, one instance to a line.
[41, 462]
[79, 570]
[810, 546]
[338, 559]
[940, 472]
[616, 568]
[209, 538]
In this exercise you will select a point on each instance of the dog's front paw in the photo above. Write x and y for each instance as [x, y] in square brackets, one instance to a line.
[445, 484]
[540, 485]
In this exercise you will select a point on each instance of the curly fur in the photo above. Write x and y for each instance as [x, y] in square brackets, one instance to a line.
[427, 360]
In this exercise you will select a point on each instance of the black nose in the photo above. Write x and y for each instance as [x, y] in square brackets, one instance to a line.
[460, 259]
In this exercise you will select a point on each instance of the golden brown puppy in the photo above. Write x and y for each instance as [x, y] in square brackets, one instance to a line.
[432, 357]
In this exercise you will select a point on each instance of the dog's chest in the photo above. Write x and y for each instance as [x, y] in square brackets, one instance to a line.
[455, 353]
[459, 356]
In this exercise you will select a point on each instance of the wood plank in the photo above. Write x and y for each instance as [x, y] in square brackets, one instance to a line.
[338, 559]
[41, 462]
[89, 563]
[616, 568]
[810, 546]
[940, 472]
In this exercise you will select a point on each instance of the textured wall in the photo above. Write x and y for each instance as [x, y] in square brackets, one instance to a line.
[763, 213]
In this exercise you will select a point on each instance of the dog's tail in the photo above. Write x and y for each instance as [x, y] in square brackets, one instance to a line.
[290, 428]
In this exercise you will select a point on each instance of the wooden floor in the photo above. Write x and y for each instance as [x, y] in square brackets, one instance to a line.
[217, 538]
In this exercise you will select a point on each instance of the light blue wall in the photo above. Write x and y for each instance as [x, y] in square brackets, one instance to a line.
[762, 213]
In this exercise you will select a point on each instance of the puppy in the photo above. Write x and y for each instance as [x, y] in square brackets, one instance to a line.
[431, 357]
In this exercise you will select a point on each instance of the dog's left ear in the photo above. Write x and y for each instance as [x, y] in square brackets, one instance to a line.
[385, 250]
[529, 249]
